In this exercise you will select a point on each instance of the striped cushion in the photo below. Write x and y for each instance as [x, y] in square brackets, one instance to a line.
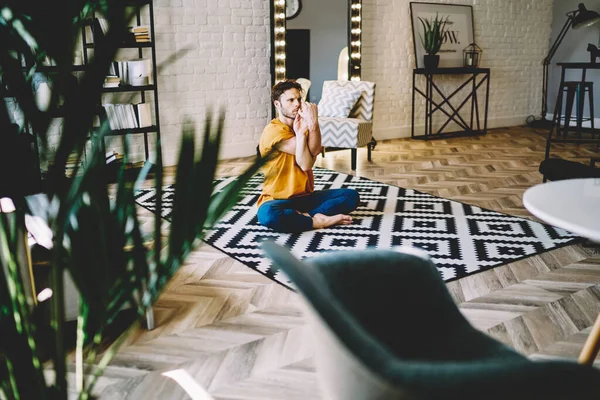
[338, 101]
[345, 132]
[364, 105]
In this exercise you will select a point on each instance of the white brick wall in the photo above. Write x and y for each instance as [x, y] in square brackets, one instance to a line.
[228, 64]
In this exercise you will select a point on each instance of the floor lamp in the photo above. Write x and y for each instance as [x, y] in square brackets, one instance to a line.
[576, 19]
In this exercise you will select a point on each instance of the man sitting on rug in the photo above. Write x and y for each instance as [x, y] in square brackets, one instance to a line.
[288, 202]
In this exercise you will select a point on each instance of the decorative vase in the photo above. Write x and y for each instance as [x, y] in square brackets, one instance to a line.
[42, 91]
[431, 61]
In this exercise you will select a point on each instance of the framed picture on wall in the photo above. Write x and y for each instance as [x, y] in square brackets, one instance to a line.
[459, 33]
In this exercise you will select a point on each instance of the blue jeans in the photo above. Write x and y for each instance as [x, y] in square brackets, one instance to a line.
[284, 215]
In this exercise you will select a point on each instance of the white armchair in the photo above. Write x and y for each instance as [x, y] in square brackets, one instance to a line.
[356, 129]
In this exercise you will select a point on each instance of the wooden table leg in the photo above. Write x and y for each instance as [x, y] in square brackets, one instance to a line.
[592, 345]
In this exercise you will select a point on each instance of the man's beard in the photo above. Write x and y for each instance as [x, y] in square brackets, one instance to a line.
[288, 115]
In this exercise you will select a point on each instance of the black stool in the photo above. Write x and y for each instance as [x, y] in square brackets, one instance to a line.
[573, 92]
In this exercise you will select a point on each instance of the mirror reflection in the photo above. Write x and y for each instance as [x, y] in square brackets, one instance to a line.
[315, 38]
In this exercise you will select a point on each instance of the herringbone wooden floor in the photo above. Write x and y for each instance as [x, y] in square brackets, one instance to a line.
[241, 336]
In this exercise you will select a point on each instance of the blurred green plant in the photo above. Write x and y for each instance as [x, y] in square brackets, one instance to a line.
[95, 234]
[434, 30]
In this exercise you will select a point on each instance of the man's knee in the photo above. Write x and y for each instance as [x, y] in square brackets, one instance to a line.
[269, 215]
[353, 198]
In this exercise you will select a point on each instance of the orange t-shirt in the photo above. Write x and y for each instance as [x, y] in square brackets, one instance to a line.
[283, 176]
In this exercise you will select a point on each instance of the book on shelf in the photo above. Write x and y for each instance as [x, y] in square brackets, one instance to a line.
[139, 29]
[137, 164]
[133, 39]
[70, 165]
[114, 167]
[92, 33]
[111, 81]
[108, 109]
[114, 158]
[143, 115]
[96, 30]
[119, 69]
[138, 34]
[128, 116]
[104, 25]
[111, 156]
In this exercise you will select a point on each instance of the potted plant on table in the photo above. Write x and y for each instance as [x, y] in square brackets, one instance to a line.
[432, 38]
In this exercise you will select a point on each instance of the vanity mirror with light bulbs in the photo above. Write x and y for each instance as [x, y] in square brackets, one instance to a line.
[308, 38]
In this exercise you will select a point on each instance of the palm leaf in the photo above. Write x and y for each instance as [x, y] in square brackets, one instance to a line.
[18, 335]
[229, 196]
[183, 203]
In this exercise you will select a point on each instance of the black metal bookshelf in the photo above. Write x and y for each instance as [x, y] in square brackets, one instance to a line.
[143, 14]
[144, 50]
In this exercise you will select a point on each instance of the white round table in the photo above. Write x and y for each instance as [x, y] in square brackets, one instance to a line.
[572, 204]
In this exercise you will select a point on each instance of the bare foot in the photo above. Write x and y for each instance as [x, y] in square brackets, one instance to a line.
[325, 221]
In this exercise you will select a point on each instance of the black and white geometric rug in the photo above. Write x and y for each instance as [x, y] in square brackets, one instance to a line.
[461, 239]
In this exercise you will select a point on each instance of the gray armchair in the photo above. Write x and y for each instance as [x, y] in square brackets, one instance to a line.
[386, 328]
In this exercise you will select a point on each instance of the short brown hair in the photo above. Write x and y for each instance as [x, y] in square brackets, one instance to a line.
[284, 86]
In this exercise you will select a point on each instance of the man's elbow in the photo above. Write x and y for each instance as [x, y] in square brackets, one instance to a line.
[316, 150]
[307, 165]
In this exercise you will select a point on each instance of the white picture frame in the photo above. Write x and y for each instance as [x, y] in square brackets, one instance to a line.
[460, 32]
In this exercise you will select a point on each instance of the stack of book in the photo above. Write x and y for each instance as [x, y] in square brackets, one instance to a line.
[70, 165]
[114, 162]
[140, 34]
[114, 158]
[112, 81]
[135, 165]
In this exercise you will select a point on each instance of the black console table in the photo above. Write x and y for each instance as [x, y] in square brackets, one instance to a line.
[475, 78]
